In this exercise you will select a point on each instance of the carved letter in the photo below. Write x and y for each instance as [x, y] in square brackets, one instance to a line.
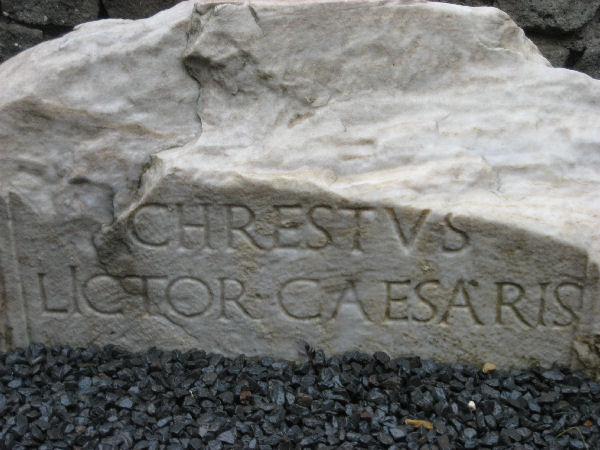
[190, 297]
[560, 292]
[356, 245]
[234, 298]
[138, 286]
[57, 287]
[502, 286]
[542, 309]
[297, 298]
[204, 228]
[322, 229]
[460, 289]
[428, 302]
[286, 234]
[241, 229]
[407, 239]
[459, 234]
[150, 224]
[351, 289]
[44, 296]
[396, 298]
[104, 294]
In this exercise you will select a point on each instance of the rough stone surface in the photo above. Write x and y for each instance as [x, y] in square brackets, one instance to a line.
[590, 62]
[136, 9]
[65, 397]
[562, 50]
[556, 16]
[470, 2]
[554, 51]
[402, 176]
[78, 128]
[51, 12]
[15, 38]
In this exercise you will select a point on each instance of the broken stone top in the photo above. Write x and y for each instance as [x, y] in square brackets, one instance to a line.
[295, 58]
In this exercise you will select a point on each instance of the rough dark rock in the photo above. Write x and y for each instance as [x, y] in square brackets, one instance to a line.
[469, 2]
[550, 16]
[15, 38]
[554, 51]
[589, 63]
[51, 12]
[136, 9]
[62, 397]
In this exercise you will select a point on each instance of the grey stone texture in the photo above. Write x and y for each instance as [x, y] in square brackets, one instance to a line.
[554, 51]
[566, 31]
[590, 62]
[51, 12]
[15, 38]
[469, 2]
[551, 16]
[136, 9]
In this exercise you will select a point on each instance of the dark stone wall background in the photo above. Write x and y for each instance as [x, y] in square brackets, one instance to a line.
[566, 31]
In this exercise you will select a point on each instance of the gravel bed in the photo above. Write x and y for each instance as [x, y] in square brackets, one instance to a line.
[65, 397]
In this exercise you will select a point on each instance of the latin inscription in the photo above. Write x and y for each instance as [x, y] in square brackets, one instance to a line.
[319, 261]
[210, 227]
[432, 301]
[262, 269]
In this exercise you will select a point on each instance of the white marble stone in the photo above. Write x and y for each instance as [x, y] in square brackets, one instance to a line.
[403, 176]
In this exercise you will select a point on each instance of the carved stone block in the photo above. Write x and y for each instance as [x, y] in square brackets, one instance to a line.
[403, 176]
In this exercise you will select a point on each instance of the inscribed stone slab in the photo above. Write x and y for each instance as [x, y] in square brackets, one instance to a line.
[403, 176]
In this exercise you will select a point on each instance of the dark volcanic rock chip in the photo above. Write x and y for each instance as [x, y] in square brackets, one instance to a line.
[590, 61]
[550, 16]
[136, 9]
[15, 38]
[62, 397]
[51, 12]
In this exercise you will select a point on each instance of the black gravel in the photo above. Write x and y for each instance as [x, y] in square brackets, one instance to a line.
[65, 397]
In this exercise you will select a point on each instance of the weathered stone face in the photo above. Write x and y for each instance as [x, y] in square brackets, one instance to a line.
[237, 267]
[403, 176]
[267, 267]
